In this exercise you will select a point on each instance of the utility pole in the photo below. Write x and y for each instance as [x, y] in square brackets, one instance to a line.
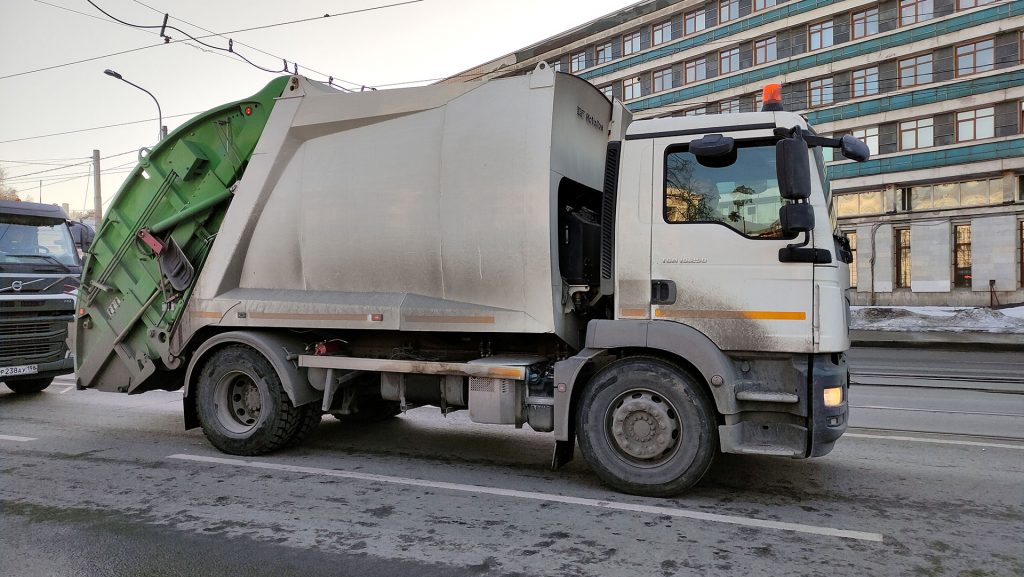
[97, 197]
[40, 192]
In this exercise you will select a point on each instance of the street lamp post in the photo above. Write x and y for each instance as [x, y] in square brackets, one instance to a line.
[160, 115]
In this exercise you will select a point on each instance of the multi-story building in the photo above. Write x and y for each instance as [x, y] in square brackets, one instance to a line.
[934, 87]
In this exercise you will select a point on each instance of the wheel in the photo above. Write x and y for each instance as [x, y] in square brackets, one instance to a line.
[244, 409]
[646, 427]
[29, 385]
[371, 409]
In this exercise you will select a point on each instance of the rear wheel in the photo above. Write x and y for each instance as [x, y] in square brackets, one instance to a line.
[26, 386]
[646, 427]
[243, 407]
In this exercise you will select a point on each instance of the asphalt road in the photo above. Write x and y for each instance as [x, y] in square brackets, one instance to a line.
[103, 484]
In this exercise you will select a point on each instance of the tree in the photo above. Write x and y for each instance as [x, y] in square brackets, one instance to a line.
[7, 192]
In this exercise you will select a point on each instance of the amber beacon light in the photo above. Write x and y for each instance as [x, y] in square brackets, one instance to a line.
[771, 98]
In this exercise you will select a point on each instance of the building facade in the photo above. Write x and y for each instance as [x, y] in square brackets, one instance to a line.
[934, 87]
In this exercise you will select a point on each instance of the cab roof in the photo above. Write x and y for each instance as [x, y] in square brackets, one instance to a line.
[32, 209]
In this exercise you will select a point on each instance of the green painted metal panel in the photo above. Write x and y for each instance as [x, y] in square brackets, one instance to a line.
[179, 192]
[923, 160]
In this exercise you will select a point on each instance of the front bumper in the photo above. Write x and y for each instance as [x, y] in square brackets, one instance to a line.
[46, 370]
[827, 424]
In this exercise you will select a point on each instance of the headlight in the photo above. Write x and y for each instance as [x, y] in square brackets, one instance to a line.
[833, 397]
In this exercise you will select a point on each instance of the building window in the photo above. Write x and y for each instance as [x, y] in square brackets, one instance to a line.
[868, 136]
[965, 4]
[764, 50]
[631, 88]
[608, 91]
[604, 53]
[821, 92]
[859, 203]
[631, 43]
[729, 61]
[729, 106]
[865, 23]
[916, 70]
[952, 195]
[1020, 239]
[578, 61]
[662, 79]
[962, 255]
[851, 237]
[556, 65]
[917, 134]
[820, 35]
[758, 101]
[661, 33]
[695, 111]
[914, 11]
[975, 57]
[902, 246]
[762, 4]
[728, 10]
[865, 82]
[695, 21]
[696, 70]
[975, 124]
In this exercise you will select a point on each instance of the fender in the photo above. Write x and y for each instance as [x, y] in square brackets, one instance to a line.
[276, 347]
[677, 339]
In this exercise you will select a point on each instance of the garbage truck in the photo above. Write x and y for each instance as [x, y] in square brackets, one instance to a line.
[656, 290]
[39, 269]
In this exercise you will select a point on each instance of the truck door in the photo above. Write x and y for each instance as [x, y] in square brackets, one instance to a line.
[715, 243]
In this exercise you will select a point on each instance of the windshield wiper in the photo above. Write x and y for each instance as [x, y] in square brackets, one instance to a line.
[43, 256]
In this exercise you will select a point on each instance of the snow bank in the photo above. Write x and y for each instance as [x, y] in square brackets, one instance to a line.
[938, 319]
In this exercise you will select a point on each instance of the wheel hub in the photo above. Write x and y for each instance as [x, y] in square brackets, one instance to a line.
[239, 402]
[644, 427]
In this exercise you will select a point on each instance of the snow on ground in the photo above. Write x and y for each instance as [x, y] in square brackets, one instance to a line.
[938, 319]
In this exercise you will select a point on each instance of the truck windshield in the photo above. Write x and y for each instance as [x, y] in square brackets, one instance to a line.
[743, 195]
[46, 244]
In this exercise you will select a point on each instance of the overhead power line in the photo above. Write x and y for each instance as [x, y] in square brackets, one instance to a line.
[229, 49]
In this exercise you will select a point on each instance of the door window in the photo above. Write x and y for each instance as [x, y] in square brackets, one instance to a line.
[743, 195]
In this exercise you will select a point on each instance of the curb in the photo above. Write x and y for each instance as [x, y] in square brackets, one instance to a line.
[938, 339]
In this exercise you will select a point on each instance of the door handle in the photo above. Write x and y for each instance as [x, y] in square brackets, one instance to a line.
[663, 292]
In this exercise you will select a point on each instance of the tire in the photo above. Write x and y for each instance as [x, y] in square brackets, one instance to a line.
[647, 427]
[28, 386]
[243, 407]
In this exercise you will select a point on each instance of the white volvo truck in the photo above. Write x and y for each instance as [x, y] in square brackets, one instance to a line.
[657, 290]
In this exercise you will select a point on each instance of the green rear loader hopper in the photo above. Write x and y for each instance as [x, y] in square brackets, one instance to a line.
[153, 242]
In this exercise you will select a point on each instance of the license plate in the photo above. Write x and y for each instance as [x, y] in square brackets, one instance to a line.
[22, 370]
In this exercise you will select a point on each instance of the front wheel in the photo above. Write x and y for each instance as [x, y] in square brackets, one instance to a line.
[647, 427]
[243, 407]
[26, 386]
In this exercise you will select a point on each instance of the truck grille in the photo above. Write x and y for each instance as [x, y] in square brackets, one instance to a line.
[32, 342]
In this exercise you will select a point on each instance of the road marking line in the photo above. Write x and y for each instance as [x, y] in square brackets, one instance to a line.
[71, 388]
[909, 409]
[601, 504]
[16, 439]
[936, 441]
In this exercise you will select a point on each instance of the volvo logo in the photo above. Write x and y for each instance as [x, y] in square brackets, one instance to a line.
[16, 285]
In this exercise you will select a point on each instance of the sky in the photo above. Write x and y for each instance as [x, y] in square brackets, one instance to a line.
[43, 92]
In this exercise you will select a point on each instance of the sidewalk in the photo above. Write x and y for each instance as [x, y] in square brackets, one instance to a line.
[938, 327]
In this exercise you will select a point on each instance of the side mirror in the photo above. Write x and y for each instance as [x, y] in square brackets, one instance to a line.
[714, 150]
[796, 218]
[853, 148]
[794, 168]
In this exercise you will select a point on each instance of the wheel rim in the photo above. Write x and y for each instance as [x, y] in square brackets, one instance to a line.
[239, 402]
[644, 427]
